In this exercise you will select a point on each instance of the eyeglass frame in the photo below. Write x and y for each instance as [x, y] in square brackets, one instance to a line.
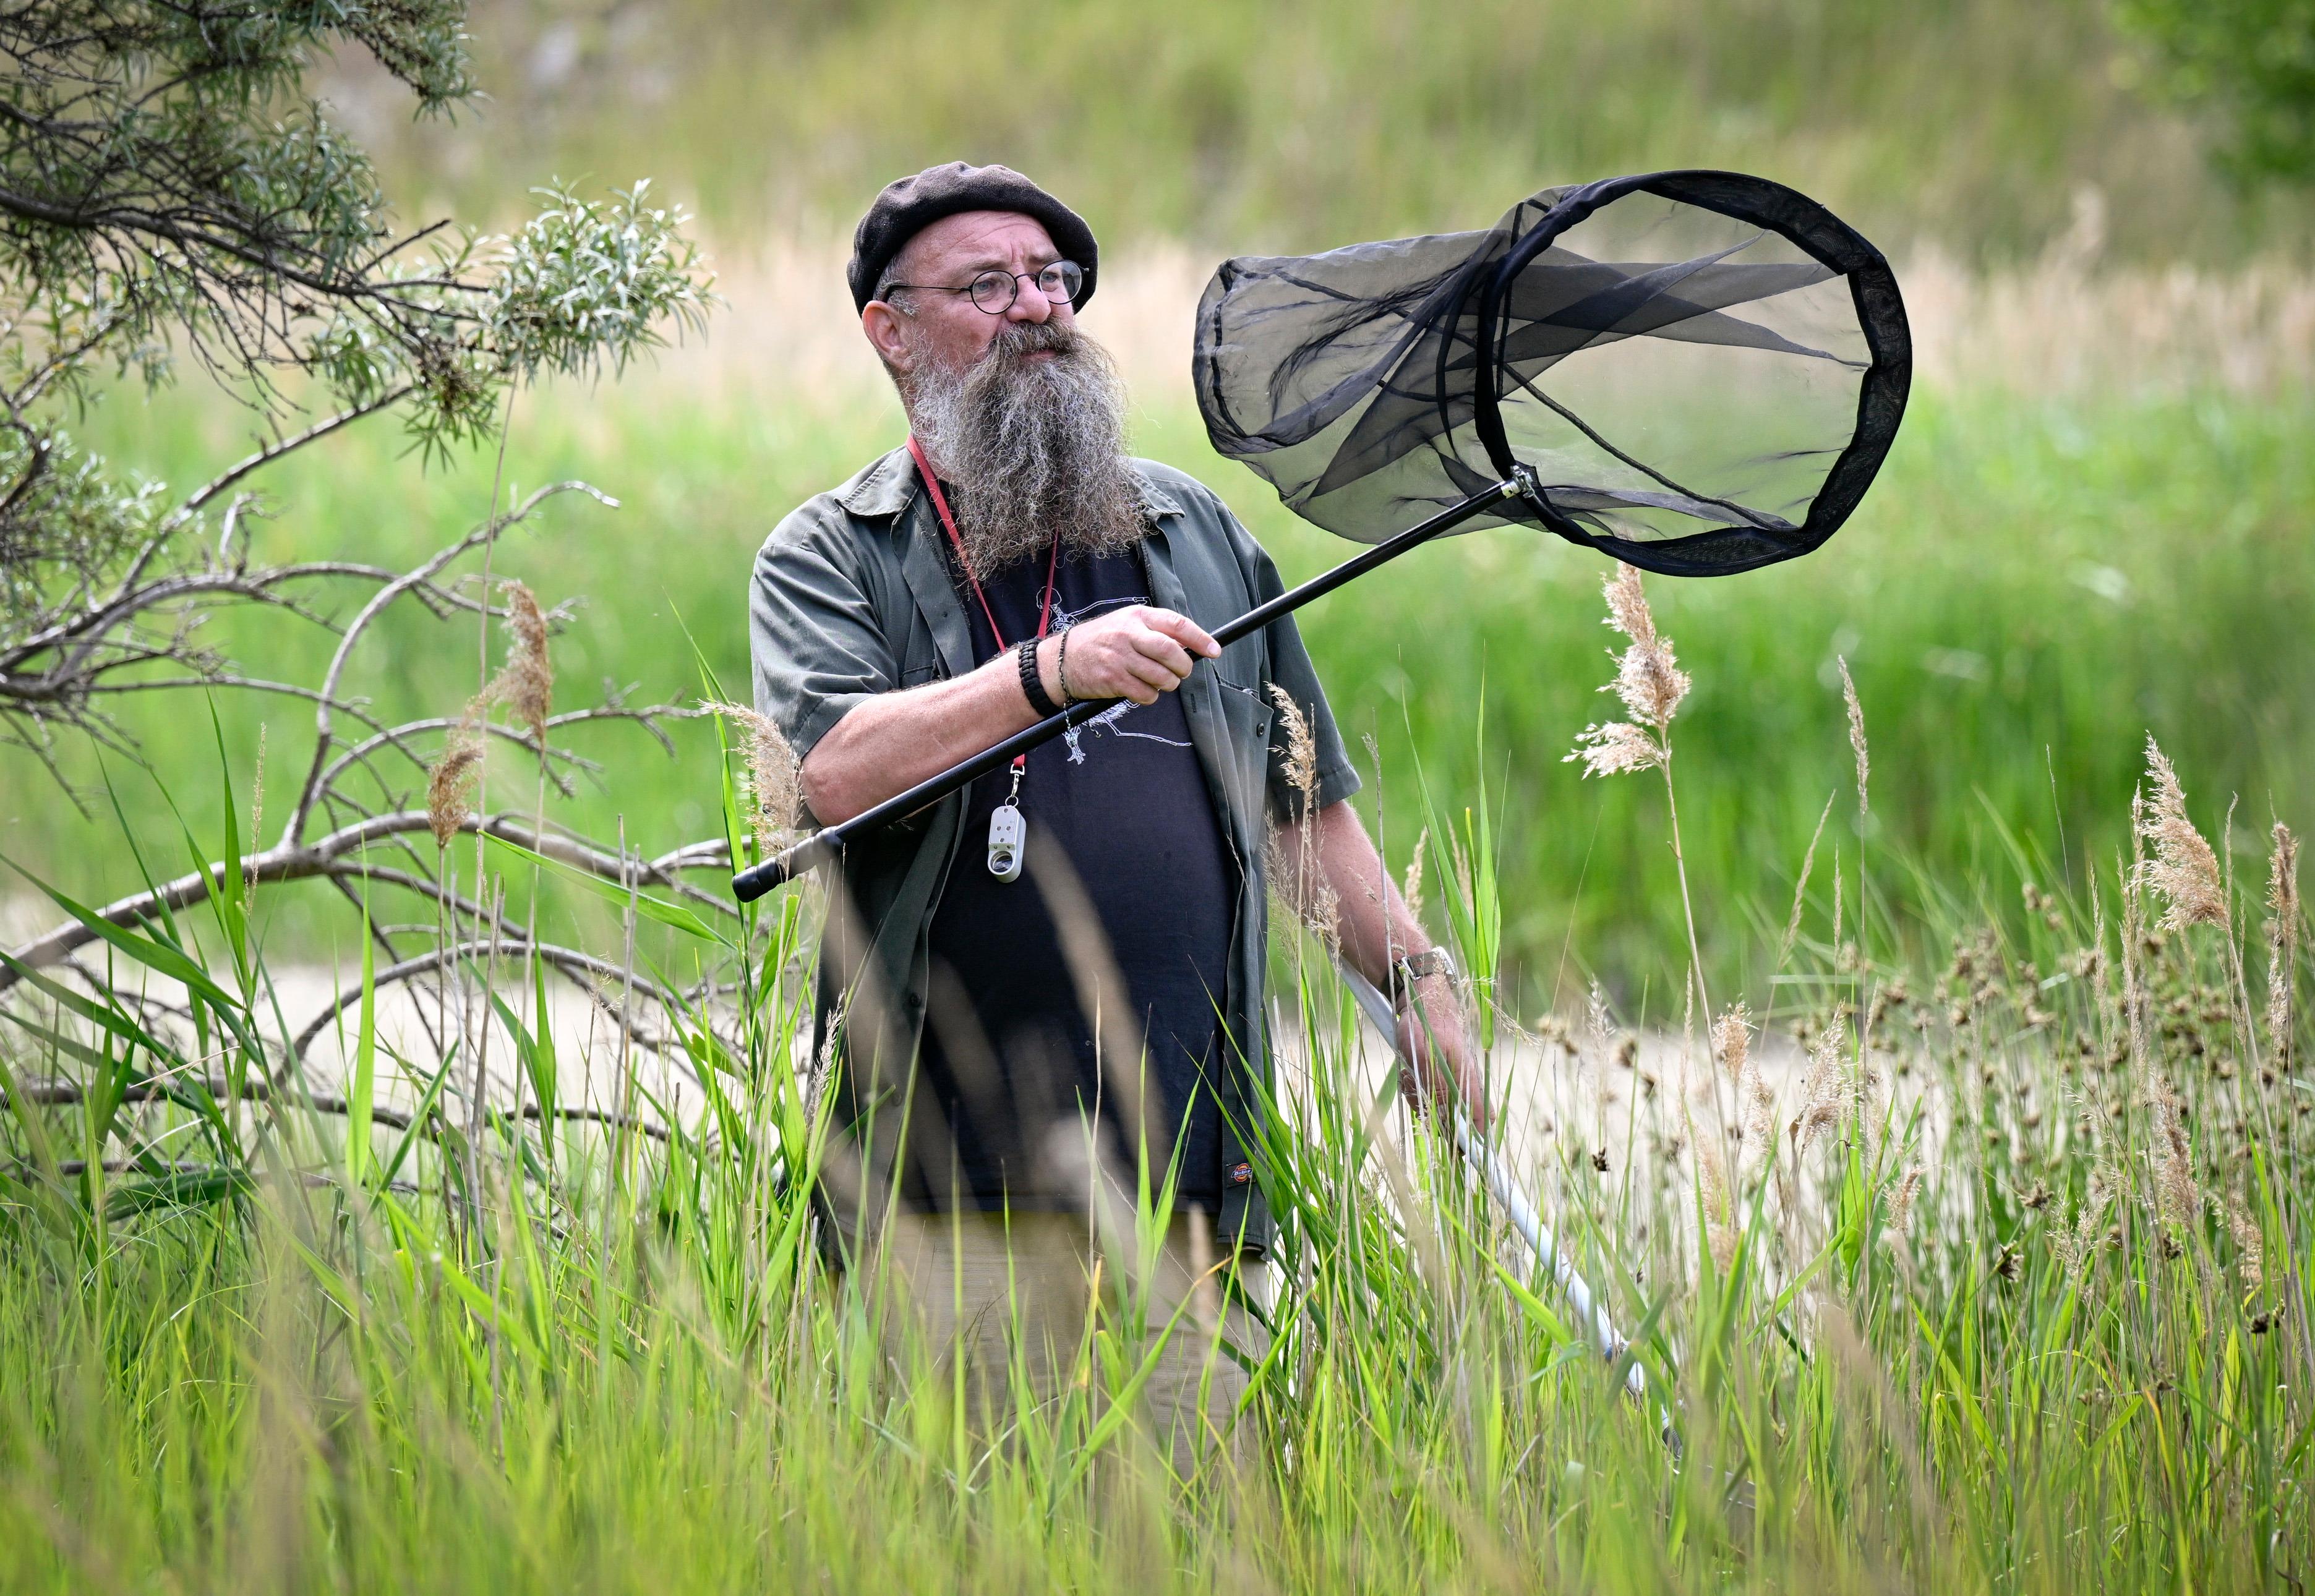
[1012, 278]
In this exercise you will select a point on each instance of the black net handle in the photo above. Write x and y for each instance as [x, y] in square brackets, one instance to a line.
[1721, 551]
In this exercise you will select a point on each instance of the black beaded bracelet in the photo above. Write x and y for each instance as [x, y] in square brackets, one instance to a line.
[1031, 683]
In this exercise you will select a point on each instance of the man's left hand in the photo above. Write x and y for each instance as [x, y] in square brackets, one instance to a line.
[1435, 1050]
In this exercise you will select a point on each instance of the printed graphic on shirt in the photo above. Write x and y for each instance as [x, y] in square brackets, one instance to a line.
[1107, 721]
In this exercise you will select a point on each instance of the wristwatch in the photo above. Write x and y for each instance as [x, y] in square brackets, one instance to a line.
[1410, 968]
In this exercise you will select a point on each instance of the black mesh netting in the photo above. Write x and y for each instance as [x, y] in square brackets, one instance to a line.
[1701, 371]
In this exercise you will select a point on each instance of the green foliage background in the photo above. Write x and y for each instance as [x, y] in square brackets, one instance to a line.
[2035, 583]
[2031, 587]
[1299, 124]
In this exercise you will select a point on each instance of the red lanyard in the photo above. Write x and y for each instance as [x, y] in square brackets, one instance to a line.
[948, 524]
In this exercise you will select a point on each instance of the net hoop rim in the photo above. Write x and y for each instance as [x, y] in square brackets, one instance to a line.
[1882, 391]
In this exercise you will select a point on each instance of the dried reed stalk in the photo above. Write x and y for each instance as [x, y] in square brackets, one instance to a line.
[2133, 946]
[2282, 943]
[1651, 685]
[1800, 887]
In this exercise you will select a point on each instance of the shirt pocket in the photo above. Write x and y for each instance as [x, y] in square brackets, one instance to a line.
[1247, 714]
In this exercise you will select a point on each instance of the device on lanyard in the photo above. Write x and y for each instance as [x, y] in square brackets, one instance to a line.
[1008, 833]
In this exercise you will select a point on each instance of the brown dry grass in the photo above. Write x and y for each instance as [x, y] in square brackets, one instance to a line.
[2281, 943]
[2067, 324]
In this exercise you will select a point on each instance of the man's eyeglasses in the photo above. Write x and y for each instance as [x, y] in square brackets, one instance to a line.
[994, 290]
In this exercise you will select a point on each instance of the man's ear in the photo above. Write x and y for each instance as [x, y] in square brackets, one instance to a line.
[888, 336]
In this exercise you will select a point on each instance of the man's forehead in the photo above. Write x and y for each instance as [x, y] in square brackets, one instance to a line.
[984, 237]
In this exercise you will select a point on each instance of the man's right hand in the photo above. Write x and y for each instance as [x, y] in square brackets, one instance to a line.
[1136, 652]
[896, 740]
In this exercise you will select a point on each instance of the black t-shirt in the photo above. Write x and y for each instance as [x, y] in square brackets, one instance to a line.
[1008, 1067]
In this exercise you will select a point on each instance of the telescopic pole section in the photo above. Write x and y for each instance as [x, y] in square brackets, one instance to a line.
[816, 850]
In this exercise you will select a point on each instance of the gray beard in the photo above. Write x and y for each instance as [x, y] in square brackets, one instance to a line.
[1035, 448]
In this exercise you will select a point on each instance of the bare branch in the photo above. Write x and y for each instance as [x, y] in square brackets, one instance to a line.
[273, 452]
[330, 854]
[65, 1093]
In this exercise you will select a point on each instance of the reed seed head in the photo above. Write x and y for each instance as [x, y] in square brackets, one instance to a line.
[1301, 750]
[2177, 1196]
[2183, 868]
[526, 683]
[1648, 679]
[256, 807]
[774, 792]
[2250, 1246]
[1822, 1096]
[1856, 736]
[1614, 747]
[1719, 1228]
[1313, 900]
[1412, 891]
[1900, 1200]
[1732, 1040]
[1290, 869]
[454, 780]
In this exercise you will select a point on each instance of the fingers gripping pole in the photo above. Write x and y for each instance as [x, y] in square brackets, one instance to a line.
[1517, 1207]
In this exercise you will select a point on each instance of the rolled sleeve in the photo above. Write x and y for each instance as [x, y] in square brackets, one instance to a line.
[813, 630]
[1291, 669]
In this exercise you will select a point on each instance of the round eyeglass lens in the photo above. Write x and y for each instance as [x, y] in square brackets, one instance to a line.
[994, 291]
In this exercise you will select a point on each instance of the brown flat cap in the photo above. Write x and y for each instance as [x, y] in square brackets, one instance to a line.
[907, 206]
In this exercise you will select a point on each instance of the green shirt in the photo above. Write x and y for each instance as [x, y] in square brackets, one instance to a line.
[852, 597]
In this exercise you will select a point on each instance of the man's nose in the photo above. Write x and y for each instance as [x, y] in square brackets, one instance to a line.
[1030, 304]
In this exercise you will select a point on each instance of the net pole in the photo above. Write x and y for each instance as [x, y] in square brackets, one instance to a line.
[1521, 1210]
[827, 844]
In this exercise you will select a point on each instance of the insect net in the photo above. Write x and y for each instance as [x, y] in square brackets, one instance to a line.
[1700, 371]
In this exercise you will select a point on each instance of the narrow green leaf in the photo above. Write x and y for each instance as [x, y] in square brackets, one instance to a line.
[647, 906]
[361, 1086]
[155, 956]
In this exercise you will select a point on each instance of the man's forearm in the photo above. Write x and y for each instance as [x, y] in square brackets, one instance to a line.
[891, 742]
[1375, 925]
[894, 740]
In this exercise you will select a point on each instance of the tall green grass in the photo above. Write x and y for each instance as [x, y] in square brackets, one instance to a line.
[2017, 1304]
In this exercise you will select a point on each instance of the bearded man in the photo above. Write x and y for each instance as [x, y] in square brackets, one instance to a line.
[1013, 1042]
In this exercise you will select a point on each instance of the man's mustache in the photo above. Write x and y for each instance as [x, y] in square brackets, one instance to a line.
[1017, 339]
